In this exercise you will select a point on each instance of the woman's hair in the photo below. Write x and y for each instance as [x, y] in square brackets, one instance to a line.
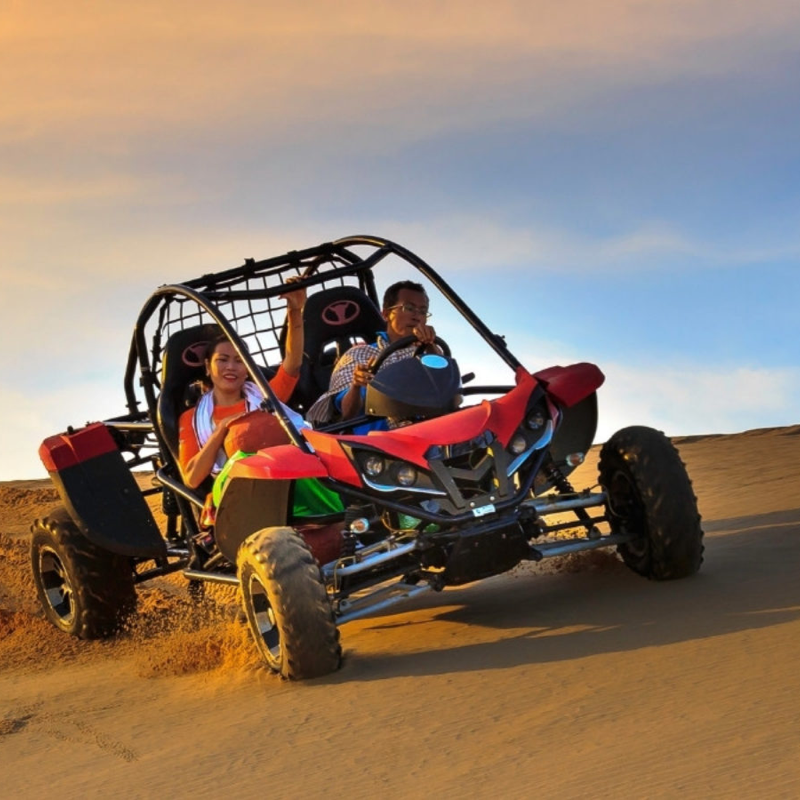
[214, 344]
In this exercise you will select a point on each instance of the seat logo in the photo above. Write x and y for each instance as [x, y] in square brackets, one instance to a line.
[341, 312]
[194, 354]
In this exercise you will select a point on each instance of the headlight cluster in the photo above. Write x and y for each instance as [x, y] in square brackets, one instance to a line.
[386, 474]
[534, 434]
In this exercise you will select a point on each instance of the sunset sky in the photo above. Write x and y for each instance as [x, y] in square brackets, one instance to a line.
[607, 180]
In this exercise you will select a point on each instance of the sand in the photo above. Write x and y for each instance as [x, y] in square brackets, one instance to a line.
[574, 678]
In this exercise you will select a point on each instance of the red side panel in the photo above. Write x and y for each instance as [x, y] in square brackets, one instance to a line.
[67, 450]
[570, 385]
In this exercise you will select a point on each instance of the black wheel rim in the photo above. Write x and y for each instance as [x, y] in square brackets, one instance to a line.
[57, 586]
[264, 623]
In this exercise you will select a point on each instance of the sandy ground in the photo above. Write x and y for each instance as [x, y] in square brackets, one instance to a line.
[569, 679]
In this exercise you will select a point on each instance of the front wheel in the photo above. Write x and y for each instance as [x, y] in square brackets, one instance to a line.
[651, 498]
[84, 590]
[286, 605]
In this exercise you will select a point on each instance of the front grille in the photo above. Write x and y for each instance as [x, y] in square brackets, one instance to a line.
[474, 474]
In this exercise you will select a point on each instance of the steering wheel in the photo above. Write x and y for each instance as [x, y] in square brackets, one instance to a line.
[405, 341]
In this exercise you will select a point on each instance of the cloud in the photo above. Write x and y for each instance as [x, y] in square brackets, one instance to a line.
[700, 398]
[471, 242]
[74, 266]
[196, 117]
[61, 190]
[102, 68]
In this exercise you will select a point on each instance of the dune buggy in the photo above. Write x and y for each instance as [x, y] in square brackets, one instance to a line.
[472, 480]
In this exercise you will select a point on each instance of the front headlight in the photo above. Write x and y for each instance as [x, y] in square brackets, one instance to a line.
[536, 420]
[373, 466]
[406, 475]
[518, 444]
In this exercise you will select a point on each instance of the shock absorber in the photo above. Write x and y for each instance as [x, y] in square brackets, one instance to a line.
[558, 478]
[561, 482]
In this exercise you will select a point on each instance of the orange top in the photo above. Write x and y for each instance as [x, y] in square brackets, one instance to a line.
[188, 447]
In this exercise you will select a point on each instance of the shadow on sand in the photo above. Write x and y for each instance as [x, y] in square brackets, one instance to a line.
[749, 580]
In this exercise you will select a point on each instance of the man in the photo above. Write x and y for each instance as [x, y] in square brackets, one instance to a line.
[405, 309]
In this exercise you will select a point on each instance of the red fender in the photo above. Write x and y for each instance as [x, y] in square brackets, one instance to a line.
[283, 462]
[67, 450]
[100, 492]
[569, 385]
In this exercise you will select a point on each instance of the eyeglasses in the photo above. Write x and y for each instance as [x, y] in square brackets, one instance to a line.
[410, 308]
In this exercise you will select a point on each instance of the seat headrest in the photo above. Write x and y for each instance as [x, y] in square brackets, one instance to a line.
[343, 312]
[182, 364]
[333, 320]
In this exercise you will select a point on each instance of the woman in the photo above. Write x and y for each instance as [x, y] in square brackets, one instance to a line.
[231, 396]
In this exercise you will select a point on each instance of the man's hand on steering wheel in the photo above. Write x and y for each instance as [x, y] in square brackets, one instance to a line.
[425, 333]
[424, 337]
[438, 345]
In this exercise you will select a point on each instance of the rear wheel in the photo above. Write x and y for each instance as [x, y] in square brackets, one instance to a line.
[650, 496]
[286, 605]
[85, 591]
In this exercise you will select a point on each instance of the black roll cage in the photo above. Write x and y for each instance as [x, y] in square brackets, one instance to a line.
[209, 291]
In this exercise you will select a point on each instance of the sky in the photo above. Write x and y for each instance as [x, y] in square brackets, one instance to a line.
[615, 181]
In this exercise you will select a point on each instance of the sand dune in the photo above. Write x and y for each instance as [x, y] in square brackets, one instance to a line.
[568, 679]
